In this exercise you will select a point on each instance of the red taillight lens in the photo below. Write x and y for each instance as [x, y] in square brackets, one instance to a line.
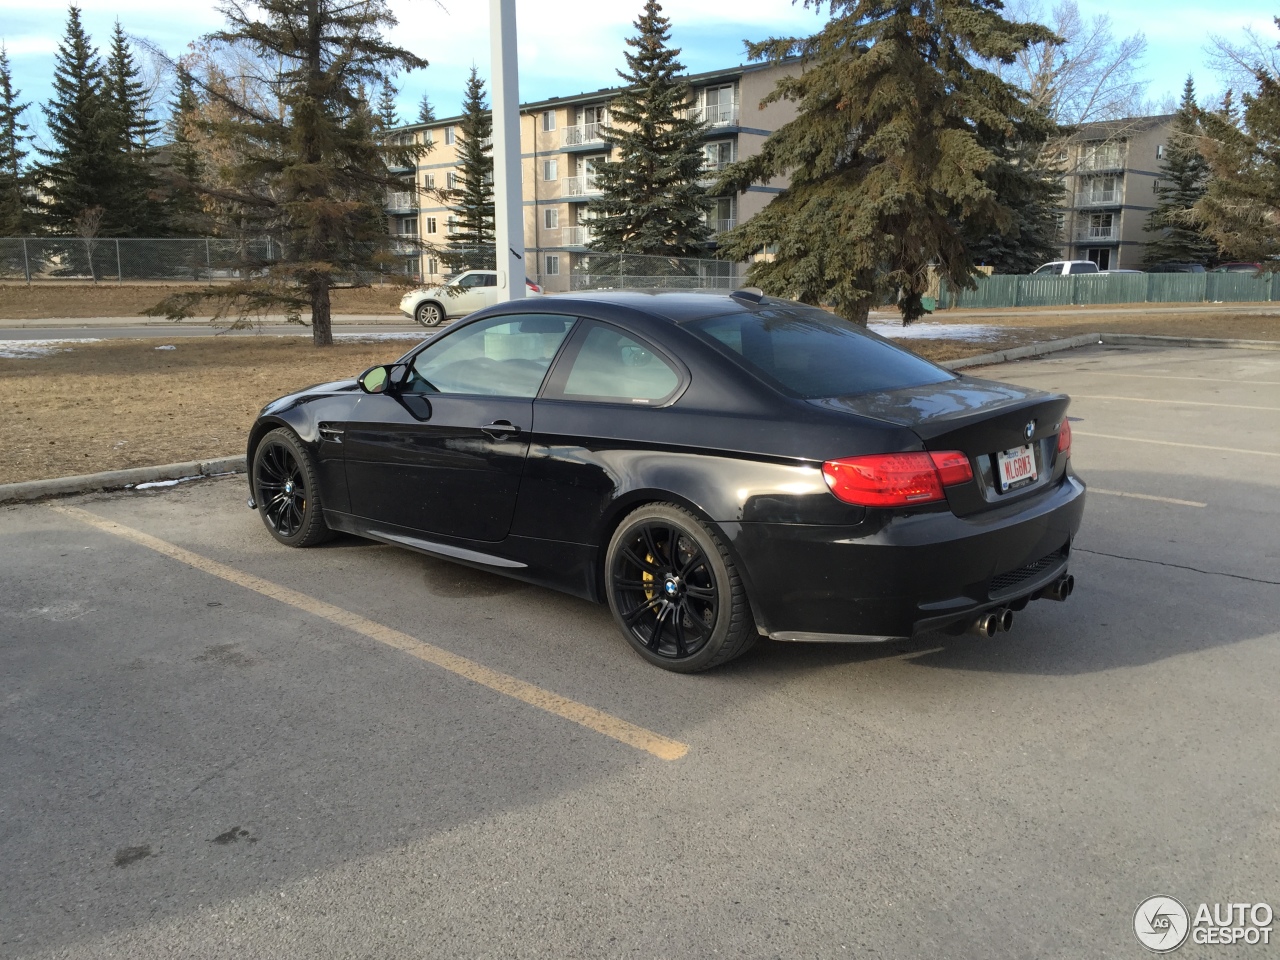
[953, 467]
[1064, 438]
[896, 479]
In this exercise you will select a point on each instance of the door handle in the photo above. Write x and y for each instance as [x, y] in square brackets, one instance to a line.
[500, 429]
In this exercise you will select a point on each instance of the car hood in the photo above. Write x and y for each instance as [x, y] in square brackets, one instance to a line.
[308, 393]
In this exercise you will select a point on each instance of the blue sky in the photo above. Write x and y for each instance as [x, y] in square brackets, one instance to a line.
[568, 46]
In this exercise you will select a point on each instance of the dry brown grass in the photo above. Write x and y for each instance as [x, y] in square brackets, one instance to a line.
[117, 404]
[49, 300]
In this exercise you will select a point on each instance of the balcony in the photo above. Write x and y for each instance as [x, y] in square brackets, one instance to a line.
[1093, 161]
[721, 226]
[711, 172]
[717, 115]
[405, 247]
[581, 236]
[404, 201]
[583, 186]
[582, 134]
[1100, 198]
[1092, 234]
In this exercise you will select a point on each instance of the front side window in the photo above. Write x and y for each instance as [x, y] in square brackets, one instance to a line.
[498, 357]
[469, 280]
[809, 353]
[613, 367]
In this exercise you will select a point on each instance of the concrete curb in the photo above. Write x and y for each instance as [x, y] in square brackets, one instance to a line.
[1154, 340]
[117, 479]
[1023, 353]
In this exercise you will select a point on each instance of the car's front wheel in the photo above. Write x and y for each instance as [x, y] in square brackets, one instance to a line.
[674, 592]
[428, 314]
[286, 487]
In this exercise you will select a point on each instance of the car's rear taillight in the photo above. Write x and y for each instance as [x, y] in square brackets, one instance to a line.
[896, 479]
[1064, 438]
[533, 286]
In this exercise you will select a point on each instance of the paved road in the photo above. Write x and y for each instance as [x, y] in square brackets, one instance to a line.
[199, 760]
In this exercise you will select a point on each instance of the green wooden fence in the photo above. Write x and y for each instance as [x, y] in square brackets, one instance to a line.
[1101, 288]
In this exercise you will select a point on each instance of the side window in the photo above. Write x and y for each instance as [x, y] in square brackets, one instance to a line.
[498, 357]
[489, 280]
[471, 280]
[612, 367]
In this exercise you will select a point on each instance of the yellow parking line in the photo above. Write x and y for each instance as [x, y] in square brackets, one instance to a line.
[1185, 403]
[1147, 496]
[1173, 443]
[659, 746]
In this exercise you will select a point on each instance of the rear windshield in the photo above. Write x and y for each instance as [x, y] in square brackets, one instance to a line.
[810, 353]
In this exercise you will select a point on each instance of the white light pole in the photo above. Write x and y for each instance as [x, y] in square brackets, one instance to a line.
[508, 199]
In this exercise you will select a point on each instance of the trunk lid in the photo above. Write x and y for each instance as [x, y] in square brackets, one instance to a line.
[983, 419]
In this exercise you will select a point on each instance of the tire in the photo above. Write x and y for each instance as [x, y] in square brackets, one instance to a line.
[428, 313]
[674, 591]
[286, 487]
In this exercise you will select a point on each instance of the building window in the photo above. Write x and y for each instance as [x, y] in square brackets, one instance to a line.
[451, 180]
[550, 170]
[548, 120]
[449, 135]
[433, 266]
[429, 181]
[1160, 151]
[428, 137]
[553, 265]
[431, 224]
[451, 225]
[551, 219]
[407, 226]
[719, 154]
[719, 106]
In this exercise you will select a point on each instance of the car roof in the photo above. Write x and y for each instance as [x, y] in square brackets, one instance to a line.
[677, 306]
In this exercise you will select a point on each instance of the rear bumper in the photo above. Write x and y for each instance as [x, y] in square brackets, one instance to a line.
[896, 576]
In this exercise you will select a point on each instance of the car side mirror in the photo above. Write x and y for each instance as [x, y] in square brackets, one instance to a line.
[384, 378]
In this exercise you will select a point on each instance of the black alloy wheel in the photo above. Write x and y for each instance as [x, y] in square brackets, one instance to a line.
[674, 591]
[286, 488]
[428, 314]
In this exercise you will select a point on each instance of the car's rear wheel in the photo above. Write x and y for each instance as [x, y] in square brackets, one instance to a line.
[287, 489]
[428, 314]
[674, 592]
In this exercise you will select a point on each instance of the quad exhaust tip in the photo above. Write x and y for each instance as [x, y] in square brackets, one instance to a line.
[991, 622]
[1060, 589]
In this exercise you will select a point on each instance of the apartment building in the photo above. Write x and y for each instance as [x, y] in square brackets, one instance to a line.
[562, 146]
[1112, 169]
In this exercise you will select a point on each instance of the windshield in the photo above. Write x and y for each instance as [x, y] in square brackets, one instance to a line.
[809, 353]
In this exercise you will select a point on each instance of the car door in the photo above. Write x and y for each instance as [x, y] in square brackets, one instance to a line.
[468, 295]
[443, 455]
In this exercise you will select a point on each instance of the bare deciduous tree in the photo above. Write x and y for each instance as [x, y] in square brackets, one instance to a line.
[1239, 63]
[1088, 75]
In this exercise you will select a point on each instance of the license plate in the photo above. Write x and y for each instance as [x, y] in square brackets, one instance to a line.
[1017, 467]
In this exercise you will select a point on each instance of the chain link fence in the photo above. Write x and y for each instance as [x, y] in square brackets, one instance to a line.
[599, 271]
[35, 259]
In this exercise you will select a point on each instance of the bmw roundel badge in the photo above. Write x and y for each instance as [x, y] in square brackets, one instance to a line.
[1030, 430]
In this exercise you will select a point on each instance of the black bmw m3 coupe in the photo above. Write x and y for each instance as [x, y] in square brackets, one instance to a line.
[715, 467]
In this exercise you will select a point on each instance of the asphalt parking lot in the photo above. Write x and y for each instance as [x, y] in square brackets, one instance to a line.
[214, 746]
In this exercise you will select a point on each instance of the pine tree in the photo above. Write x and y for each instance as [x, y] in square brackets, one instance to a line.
[471, 244]
[82, 171]
[651, 202]
[312, 176]
[426, 112]
[138, 188]
[1241, 206]
[890, 153]
[185, 169]
[15, 214]
[1032, 194]
[1184, 176]
[387, 117]
[129, 94]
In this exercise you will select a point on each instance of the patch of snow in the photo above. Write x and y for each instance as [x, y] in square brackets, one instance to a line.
[936, 331]
[167, 346]
[164, 483]
[29, 349]
[371, 337]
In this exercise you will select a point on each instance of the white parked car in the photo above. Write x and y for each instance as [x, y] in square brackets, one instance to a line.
[466, 293]
[1063, 268]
